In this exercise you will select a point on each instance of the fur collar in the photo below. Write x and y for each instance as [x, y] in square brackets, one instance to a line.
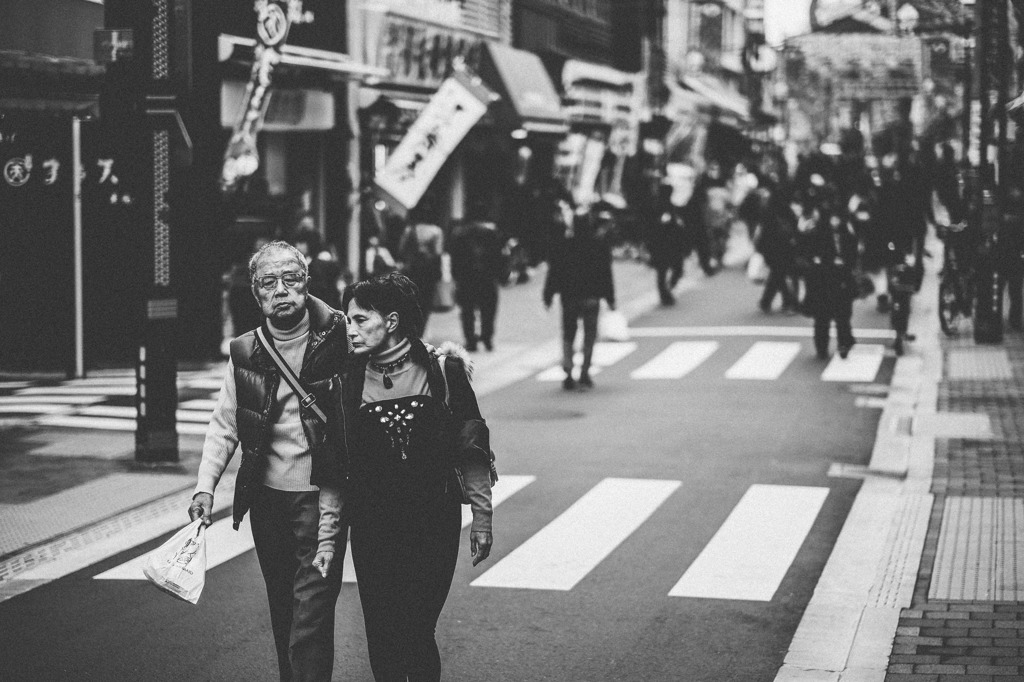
[454, 350]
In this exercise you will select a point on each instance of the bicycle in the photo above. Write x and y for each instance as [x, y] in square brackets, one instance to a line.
[956, 286]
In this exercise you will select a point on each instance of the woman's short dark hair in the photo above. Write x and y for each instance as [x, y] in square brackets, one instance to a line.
[386, 294]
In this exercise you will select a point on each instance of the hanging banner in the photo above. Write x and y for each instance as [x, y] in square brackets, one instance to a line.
[456, 107]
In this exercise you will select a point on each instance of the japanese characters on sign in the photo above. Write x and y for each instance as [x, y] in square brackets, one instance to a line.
[274, 19]
[451, 112]
[424, 54]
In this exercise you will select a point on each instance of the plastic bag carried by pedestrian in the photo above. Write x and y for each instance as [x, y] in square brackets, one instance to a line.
[757, 268]
[179, 565]
[612, 326]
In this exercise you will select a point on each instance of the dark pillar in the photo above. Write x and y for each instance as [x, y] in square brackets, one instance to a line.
[141, 109]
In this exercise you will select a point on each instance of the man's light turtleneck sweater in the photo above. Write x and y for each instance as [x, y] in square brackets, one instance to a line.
[288, 464]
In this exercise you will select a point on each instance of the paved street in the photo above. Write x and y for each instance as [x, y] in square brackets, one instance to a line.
[670, 524]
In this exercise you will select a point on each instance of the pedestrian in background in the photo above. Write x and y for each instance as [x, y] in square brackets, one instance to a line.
[580, 272]
[287, 452]
[828, 253]
[325, 276]
[413, 420]
[775, 240]
[476, 253]
[666, 242]
[419, 251]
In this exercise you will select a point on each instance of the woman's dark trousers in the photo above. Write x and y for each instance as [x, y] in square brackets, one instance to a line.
[284, 530]
[841, 312]
[574, 309]
[777, 283]
[405, 563]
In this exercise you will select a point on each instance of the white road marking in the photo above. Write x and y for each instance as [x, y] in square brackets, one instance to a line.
[572, 545]
[78, 390]
[765, 360]
[752, 551]
[50, 399]
[870, 401]
[222, 544]
[797, 332]
[505, 488]
[606, 354]
[35, 408]
[123, 412]
[113, 424]
[206, 404]
[860, 365]
[676, 361]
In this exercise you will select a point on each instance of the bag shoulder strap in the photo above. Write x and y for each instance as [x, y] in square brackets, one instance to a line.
[306, 399]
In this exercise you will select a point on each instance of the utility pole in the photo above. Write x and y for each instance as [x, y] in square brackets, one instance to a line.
[140, 110]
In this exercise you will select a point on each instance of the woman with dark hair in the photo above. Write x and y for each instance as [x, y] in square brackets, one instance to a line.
[414, 421]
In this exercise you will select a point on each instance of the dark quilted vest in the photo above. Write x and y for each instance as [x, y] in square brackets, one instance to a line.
[256, 382]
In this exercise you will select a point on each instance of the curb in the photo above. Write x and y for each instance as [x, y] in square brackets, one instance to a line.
[848, 628]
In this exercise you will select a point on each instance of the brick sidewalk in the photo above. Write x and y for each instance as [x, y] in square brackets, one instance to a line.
[966, 621]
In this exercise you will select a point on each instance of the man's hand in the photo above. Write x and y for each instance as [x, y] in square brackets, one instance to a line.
[479, 546]
[322, 561]
[202, 505]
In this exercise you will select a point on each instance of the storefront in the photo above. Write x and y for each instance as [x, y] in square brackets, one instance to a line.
[603, 106]
[420, 50]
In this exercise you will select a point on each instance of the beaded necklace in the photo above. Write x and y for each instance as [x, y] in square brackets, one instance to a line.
[389, 367]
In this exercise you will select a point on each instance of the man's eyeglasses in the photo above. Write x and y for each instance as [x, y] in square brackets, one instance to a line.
[290, 279]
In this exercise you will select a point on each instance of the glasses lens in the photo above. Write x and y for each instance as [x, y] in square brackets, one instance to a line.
[290, 279]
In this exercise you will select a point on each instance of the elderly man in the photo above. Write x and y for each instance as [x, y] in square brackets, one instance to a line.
[287, 452]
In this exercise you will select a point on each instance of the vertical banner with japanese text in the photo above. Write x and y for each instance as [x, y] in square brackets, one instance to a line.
[459, 103]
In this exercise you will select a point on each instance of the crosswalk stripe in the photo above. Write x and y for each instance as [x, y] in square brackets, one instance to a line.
[752, 551]
[35, 408]
[77, 390]
[113, 424]
[123, 412]
[860, 365]
[205, 404]
[223, 544]
[50, 399]
[567, 549]
[765, 360]
[798, 332]
[606, 354]
[676, 361]
[508, 486]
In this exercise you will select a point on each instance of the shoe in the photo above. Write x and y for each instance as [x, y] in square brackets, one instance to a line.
[586, 381]
[471, 346]
[765, 307]
[489, 345]
[883, 303]
[822, 353]
[668, 299]
[569, 384]
[844, 351]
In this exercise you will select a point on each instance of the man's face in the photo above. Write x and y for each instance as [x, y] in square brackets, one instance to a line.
[280, 287]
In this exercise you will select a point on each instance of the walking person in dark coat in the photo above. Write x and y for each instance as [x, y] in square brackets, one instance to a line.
[413, 420]
[475, 250]
[666, 243]
[580, 272]
[776, 240]
[828, 254]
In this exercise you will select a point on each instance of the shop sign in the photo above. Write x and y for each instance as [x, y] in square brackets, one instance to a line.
[111, 46]
[421, 54]
[274, 20]
[451, 112]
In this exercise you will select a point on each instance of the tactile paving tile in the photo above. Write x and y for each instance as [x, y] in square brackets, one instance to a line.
[22, 525]
[978, 363]
[894, 583]
[980, 553]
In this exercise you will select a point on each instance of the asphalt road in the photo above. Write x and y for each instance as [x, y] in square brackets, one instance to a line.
[636, 485]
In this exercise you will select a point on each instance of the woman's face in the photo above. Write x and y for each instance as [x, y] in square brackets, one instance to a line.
[369, 331]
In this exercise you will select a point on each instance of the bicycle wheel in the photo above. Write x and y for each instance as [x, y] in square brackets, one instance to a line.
[949, 305]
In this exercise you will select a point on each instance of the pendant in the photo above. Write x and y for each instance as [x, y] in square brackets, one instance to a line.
[388, 383]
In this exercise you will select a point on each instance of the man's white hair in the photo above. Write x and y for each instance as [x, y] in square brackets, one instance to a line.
[275, 246]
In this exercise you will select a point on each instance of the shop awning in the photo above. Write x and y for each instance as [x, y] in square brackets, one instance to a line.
[719, 95]
[528, 95]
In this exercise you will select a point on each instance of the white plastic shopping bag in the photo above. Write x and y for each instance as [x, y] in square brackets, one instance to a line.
[757, 268]
[179, 565]
[612, 326]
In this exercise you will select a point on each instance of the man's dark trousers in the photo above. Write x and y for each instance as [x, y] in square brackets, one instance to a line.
[473, 296]
[284, 530]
